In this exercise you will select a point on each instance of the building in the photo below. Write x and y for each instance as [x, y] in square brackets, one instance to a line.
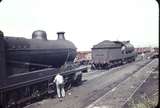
[83, 57]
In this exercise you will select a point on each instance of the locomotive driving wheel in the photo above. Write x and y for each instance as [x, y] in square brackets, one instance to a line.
[12, 98]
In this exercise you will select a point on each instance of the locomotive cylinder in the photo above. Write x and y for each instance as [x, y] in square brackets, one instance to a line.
[2, 57]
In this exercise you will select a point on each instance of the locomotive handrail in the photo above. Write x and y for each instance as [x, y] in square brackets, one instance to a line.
[36, 71]
[29, 63]
[50, 74]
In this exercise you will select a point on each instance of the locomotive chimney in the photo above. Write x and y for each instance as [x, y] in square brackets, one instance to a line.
[128, 41]
[2, 57]
[60, 36]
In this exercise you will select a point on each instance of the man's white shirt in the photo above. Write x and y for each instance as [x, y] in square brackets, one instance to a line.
[59, 79]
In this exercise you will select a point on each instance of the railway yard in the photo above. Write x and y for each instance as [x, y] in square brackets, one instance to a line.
[117, 87]
[79, 54]
[112, 75]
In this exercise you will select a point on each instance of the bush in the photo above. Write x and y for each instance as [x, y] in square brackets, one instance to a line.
[146, 102]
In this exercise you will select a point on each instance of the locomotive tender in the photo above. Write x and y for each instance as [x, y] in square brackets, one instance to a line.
[28, 66]
[107, 54]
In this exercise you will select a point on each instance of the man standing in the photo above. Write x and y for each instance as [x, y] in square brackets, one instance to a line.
[59, 80]
[143, 55]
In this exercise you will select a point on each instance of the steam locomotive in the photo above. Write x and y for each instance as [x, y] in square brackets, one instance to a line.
[28, 66]
[107, 54]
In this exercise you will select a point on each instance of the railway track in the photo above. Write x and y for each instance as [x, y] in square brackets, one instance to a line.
[98, 73]
[96, 84]
[119, 95]
[116, 82]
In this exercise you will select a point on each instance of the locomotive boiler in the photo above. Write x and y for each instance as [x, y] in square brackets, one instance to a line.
[39, 50]
[28, 66]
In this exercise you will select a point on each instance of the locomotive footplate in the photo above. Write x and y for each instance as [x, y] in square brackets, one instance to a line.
[29, 85]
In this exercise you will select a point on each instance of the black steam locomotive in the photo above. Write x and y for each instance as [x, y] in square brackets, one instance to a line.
[28, 66]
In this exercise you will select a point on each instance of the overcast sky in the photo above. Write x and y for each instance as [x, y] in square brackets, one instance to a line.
[86, 22]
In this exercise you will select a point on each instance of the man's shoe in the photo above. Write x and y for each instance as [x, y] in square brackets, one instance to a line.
[60, 99]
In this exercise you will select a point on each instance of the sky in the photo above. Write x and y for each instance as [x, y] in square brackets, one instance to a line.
[85, 22]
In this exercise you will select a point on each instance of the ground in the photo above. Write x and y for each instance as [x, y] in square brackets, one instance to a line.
[98, 83]
[148, 91]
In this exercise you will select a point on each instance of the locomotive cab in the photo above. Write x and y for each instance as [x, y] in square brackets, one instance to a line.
[2, 57]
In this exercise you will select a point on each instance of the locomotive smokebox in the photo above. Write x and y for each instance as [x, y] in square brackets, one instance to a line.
[60, 36]
[39, 34]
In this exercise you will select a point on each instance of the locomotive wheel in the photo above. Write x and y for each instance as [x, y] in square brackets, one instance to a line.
[78, 80]
[106, 66]
[11, 99]
[68, 86]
